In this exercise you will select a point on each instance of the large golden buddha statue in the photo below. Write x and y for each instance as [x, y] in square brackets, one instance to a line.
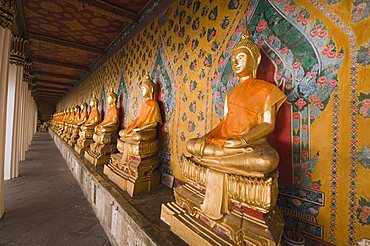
[105, 135]
[232, 172]
[87, 129]
[80, 119]
[135, 168]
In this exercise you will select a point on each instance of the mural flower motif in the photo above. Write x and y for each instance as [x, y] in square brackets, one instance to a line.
[364, 105]
[225, 22]
[261, 26]
[321, 81]
[191, 126]
[363, 211]
[360, 10]
[329, 50]
[319, 31]
[289, 8]
[363, 55]
[296, 202]
[333, 82]
[193, 85]
[364, 156]
[300, 103]
[193, 107]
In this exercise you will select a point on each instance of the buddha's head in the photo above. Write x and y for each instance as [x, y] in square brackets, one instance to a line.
[246, 56]
[94, 102]
[147, 87]
[83, 106]
[76, 109]
[112, 98]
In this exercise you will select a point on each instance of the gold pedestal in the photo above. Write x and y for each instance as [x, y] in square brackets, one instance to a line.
[100, 151]
[252, 218]
[236, 228]
[74, 136]
[84, 141]
[138, 172]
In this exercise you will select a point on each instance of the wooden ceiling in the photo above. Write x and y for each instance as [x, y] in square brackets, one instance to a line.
[66, 38]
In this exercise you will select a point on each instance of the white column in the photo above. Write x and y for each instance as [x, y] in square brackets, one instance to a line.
[5, 38]
[17, 60]
[8, 174]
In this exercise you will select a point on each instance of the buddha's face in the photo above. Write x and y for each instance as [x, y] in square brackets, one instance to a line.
[145, 91]
[111, 100]
[92, 104]
[242, 64]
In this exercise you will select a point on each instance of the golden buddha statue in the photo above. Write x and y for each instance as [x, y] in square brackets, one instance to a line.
[233, 167]
[105, 135]
[79, 120]
[135, 168]
[60, 123]
[87, 129]
[66, 121]
[73, 119]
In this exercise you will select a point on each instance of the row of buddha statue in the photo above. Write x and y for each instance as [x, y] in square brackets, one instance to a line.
[136, 167]
[230, 190]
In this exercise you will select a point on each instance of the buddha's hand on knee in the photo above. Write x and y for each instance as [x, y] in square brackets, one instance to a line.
[237, 142]
[122, 133]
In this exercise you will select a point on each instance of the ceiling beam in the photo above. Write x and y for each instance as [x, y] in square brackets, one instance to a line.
[65, 43]
[55, 75]
[20, 18]
[54, 82]
[54, 85]
[51, 93]
[111, 10]
[45, 93]
[49, 97]
[45, 88]
[59, 64]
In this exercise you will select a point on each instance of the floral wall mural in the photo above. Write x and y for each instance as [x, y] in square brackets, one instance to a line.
[315, 51]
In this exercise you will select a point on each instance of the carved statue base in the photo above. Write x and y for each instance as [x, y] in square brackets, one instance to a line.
[138, 171]
[100, 151]
[74, 136]
[253, 217]
[84, 141]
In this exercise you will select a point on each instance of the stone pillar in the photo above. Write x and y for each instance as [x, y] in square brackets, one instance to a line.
[6, 20]
[13, 122]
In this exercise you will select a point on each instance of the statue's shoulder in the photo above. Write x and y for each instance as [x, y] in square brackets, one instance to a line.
[151, 102]
[263, 86]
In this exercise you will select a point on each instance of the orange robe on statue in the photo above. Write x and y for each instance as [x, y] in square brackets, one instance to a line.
[246, 103]
[94, 113]
[149, 113]
[112, 112]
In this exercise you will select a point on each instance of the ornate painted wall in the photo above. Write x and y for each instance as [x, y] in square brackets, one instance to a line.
[316, 51]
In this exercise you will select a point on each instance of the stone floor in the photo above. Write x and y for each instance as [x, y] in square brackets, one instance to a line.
[44, 205]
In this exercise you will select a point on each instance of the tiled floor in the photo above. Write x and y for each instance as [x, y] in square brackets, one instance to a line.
[44, 205]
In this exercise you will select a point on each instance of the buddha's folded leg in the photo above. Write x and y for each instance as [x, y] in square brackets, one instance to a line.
[259, 158]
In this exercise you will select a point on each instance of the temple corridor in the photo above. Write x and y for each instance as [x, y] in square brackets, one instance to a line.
[45, 205]
[185, 122]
